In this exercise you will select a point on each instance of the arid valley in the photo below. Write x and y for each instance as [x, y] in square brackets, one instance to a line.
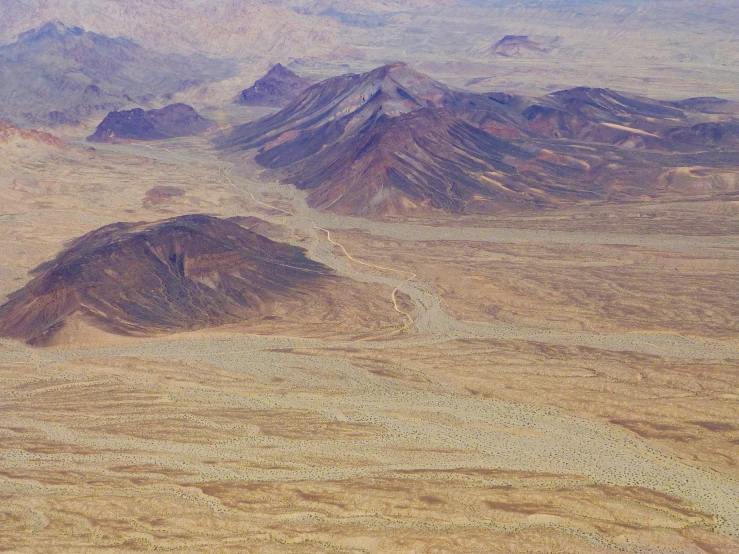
[413, 290]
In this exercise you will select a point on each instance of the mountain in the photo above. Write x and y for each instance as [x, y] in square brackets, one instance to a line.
[175, 120]
[424, 158]
[137, 279]
[62, 75]
[521, 46]
[347, 139]
[277, 88]
[394, 140]
[391, 90]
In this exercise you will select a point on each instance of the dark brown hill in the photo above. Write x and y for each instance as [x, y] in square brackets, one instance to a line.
[276, 89]
[715, 133]
[175, 120]
[392, 140]
[608, 117]
[178, 274]
[602, 116]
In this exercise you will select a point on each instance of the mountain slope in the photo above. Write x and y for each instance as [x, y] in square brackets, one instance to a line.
[392, 140]
[61, 75]
[136, 279]
[426, 158]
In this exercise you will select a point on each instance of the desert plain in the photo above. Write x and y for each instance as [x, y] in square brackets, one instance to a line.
[530, 380]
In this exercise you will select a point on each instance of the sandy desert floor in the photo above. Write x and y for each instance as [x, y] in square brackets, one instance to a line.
[560, 381]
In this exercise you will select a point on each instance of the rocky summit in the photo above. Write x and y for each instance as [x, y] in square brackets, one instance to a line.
[277, 88]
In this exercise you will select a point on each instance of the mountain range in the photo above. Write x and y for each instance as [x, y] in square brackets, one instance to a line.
[394, 140]
[63, 75]
[230, 28]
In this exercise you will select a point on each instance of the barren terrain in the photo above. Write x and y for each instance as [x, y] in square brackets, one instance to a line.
[493, 384]
[541, 380]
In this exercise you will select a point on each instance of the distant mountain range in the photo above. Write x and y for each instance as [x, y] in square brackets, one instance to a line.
[394, 140]
[230, 28]
[62, 75]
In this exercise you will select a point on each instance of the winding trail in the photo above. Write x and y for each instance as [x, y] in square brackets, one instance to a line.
[395, 290]
[410, 275]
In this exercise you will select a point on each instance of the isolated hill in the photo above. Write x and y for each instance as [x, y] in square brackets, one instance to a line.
[277, 88]
[175, 120]
[183, 273]
[393, 140]
[61, 75]
[24, 147]
[521, 46]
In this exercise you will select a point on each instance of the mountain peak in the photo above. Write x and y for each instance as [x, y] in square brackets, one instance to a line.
[51, 29]
[402, 73]
[278, 87]
[279, 69]
[393, 69]
[396, 65]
